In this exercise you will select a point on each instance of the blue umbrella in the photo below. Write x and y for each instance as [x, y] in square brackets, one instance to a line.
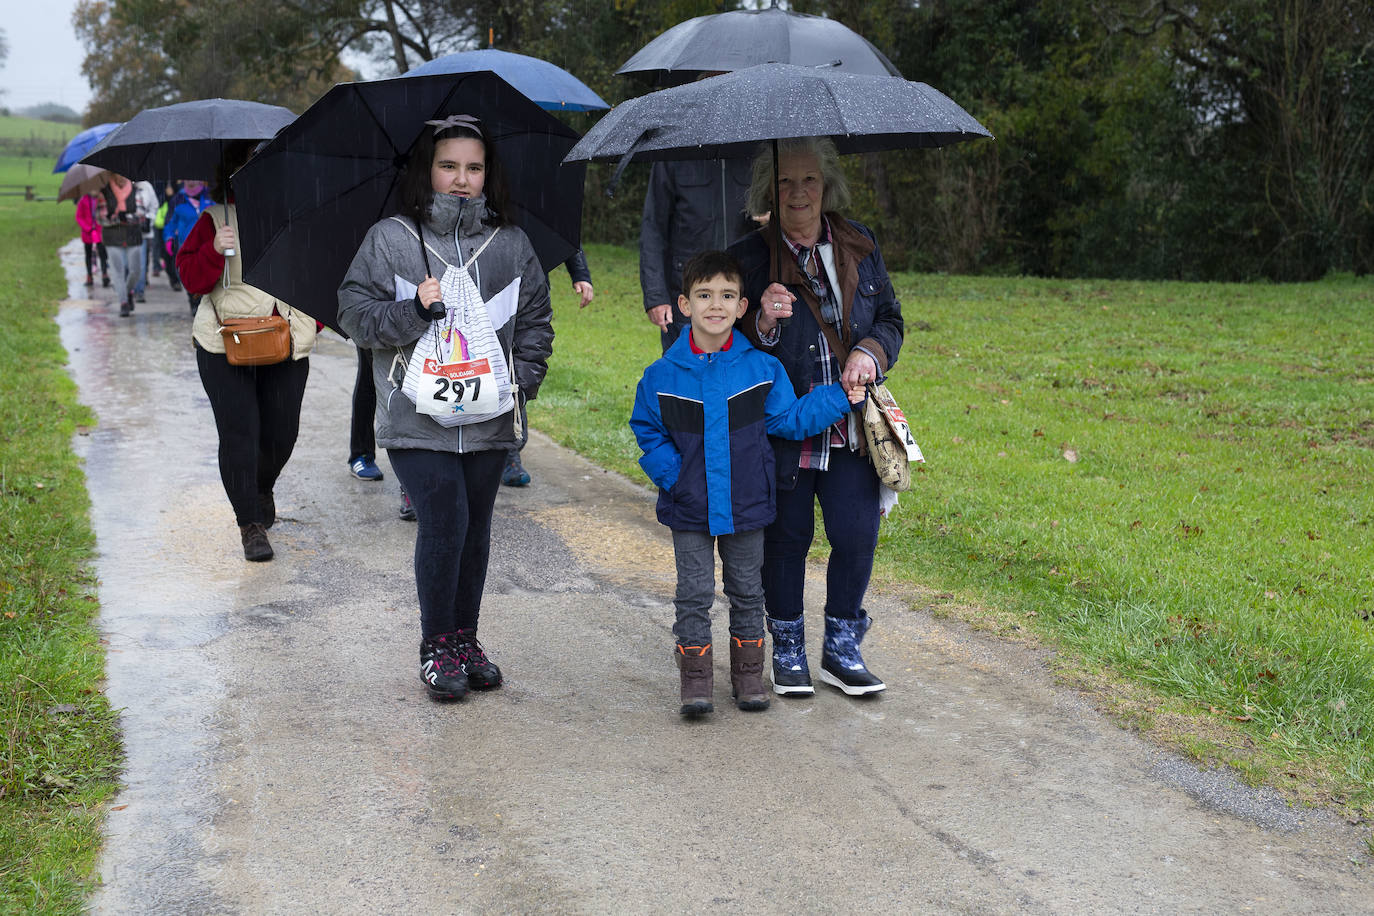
[82, 144]
[546, 85]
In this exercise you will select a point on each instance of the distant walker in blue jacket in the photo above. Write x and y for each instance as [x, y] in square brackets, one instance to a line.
[702, 417]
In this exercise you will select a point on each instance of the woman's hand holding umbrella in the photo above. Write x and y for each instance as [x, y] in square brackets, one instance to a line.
[774, 305]
[226, 241]
[429, 293]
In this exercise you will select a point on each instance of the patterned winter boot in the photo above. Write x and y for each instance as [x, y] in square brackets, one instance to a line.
[841, 664]
[791, 676]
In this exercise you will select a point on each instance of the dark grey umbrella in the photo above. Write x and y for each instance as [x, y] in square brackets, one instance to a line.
[186, 140]
[744, 38]
[729, 115]
[306, 200]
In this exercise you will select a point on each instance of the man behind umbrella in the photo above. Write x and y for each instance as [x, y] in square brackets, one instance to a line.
[690, 207]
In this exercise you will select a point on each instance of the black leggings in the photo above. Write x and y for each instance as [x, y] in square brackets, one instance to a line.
[454, 496]
[258, 414]
[93, 248]
[362, 438]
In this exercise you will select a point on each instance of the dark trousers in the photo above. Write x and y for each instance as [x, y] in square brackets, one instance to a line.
[92, 250]
[454, 496]
[679, 324]
[848, 494]
[169, 263]
[258, 415]
[362, 436]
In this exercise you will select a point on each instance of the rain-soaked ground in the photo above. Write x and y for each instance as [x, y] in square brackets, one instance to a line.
[282, 757]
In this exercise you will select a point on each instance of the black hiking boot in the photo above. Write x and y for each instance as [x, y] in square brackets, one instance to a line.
[440, 671]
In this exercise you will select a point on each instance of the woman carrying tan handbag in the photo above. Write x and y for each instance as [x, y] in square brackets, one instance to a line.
[257, 407]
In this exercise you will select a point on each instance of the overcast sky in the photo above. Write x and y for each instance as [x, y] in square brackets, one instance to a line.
[44, 63]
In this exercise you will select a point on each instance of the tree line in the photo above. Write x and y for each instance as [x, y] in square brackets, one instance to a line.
[1210, 140]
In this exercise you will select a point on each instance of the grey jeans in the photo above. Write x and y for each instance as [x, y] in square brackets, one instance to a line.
[126, 269]
[741, 559]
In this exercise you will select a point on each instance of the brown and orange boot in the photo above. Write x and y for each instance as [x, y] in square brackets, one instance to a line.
[697, 677]
[746, 674]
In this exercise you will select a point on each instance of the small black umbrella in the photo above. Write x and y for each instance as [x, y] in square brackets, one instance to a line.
[186, 140]
[744, 38]
[306, 200]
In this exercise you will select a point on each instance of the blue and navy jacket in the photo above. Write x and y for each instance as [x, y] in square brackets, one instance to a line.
[703, 422]
[182, 214]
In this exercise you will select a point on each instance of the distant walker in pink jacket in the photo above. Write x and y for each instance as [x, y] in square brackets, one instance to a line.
[90, 238]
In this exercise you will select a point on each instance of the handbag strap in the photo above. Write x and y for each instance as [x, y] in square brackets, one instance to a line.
[275, 302]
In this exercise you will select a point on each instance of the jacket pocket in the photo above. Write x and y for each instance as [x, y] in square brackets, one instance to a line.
[873, 285]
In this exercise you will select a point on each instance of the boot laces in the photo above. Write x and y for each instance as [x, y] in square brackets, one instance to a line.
[443, 655]
[469, 651]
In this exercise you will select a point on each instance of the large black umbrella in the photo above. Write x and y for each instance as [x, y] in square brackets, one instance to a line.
[729, 115]
[306, 200]
[744, 38]
[185, 140]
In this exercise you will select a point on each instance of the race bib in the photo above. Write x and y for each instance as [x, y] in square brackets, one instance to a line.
[453, 389]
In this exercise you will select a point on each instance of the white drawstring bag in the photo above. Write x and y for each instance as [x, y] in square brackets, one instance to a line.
[457, 373]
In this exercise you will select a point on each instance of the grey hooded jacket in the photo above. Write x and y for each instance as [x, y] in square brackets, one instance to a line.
[369, 311]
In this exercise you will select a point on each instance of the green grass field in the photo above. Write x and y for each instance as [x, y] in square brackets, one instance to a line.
[29, 137]
[59, 746]
[1169, 483]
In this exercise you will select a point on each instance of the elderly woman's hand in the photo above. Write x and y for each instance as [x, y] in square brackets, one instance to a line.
[775, 304]
[859, 370]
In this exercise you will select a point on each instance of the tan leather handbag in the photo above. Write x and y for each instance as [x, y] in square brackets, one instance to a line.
[256, 341]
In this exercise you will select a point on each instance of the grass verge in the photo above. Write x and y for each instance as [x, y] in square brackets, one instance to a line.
[59, 744]
[1168, 483]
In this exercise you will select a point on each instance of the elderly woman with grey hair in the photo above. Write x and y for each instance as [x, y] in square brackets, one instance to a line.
[820, 301]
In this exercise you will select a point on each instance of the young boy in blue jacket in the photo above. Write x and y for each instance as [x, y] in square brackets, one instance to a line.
[702, 417]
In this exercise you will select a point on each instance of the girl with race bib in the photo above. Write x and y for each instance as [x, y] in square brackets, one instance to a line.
[451, 300]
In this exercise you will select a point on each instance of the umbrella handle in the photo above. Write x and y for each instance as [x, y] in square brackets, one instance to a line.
[777, 230]
[228, 252]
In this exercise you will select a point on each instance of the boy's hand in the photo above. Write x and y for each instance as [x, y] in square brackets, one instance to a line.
[584, 289]
[856, 395]
[661, 315]
[774, 305]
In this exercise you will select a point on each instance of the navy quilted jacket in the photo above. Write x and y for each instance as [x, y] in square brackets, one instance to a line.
[703, 422]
